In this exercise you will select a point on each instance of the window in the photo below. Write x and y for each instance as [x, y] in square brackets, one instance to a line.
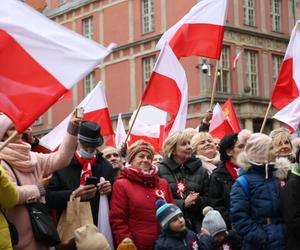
[275, 12]
[223, 80]
[88, 28]
[148, 65]
[89, 83]
[249, 12]
[252, 71]
[276, 65]
[148, 16]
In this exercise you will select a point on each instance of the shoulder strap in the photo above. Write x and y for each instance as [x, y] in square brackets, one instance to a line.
[12, 169]
[242, 181]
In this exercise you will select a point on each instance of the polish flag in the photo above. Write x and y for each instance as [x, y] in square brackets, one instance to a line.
[149, 126]
[290, 115]
[95, 110]
[120, 132]
[39, 62]
[167, 89]
[235, 60]
[200, 32]
[219, 125]
[288, 82]
[231, 116]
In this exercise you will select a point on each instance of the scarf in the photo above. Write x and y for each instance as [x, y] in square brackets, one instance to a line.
[86, 167]
[296, 169]
[19, 157]
[209, 164]
[232, 169]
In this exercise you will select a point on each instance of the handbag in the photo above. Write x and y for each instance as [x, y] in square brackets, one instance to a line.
[43, 228]
[14, 235]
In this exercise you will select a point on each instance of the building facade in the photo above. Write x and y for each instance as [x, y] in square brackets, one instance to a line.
[258, 30]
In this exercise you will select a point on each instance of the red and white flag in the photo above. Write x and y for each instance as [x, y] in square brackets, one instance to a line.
[235, 60]
[120, 132]
[39, 62]
[219, 125]
[287, 86]
[95, 110]
[290, 115]
[231, 116]
[149, 126]
[200, 32]
[167, 89]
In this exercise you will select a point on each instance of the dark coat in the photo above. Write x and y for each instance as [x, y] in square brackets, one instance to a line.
[66, 180]
[177, 241]
[290, 208]
[196, 179]
[219, 192]
[256, 215]
[133, 208]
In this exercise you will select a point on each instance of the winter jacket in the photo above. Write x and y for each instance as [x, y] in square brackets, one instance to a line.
[196, 179]
[9, 197]
[255, 214]
[290, 208]
[186, 240]
[45, 164]
[132, 207]
[66, 180]
[219, 192]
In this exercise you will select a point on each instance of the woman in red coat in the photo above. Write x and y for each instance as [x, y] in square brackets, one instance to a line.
[135, 192]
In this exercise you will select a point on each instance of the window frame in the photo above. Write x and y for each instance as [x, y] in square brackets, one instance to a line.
[247, 9]
[249, 73]
[88, 27]
[274, 15]
[89, 83]
[147, 69]
[148, 24]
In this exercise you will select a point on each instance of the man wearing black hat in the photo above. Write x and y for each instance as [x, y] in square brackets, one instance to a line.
[87, 162]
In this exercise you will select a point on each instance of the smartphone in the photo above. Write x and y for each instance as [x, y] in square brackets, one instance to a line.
[91, 180]
[79, 112]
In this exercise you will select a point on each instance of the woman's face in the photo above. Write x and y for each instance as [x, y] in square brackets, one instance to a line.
[283, 148]
[207, 148]
[142, 160]
[183, 151]
[233, 153]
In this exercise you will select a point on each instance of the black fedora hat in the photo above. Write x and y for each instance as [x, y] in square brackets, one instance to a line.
[90, 134]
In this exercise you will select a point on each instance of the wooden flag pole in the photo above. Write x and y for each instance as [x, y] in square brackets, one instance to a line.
[8, 140]
[213, 91]
[265, 119]
[134, 119]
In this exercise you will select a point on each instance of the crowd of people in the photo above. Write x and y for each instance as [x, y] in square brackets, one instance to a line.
[240, 192]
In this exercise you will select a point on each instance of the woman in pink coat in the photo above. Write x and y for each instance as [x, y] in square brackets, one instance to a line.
[32, 169]
[134, 195]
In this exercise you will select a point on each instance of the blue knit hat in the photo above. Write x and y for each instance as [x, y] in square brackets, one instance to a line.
[166, 212]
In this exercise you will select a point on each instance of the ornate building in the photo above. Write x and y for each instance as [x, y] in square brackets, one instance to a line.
[258, 29]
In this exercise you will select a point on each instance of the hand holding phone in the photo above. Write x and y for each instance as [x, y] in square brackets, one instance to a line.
[91, 180]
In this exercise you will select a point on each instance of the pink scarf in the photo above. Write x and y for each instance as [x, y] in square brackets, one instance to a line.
[209, 164]
[18, 156]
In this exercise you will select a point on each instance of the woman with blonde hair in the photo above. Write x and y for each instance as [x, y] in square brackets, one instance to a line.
[205, 149]
[135, 192]
[187, 178]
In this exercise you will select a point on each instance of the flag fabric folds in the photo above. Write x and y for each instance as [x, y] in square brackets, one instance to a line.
[287, 87]
[167, 89]
[200, 32]
[120, 132]
[39, 61]
[95, 110]
[231, 116]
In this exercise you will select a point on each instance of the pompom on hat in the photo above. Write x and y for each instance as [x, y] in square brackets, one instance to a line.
[213, 221]
[5, 124]
[166, 212]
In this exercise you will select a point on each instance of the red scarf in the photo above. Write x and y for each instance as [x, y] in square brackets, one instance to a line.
[232, 169]
[86, 167]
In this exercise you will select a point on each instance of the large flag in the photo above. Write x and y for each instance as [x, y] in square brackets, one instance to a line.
[288, 83]
[39, 62]
[149, 126]
[231, 116]
[167, 89]
[219, 125]
[95, 110]
[290, 115]
[200, 32]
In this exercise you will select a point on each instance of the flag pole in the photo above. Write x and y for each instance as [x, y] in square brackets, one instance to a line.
[134, 119]
[213, 91]
[8, 140]
[265, 119]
